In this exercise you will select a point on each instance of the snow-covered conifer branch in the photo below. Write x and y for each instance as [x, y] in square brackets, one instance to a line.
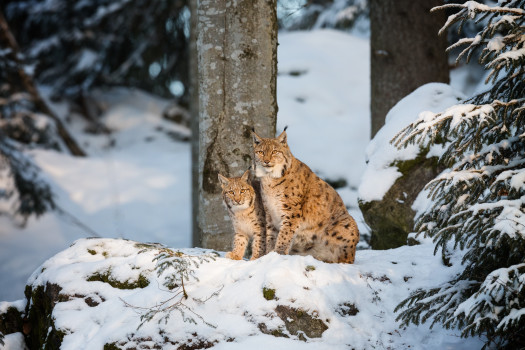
[478, 204]
[177, 269]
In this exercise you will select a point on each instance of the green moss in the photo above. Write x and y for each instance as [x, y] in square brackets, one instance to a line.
[92, 252]
[106, 277]
[148, 246]
[364, 206]
[406, 166]
[310, 268]
[111, 346]
[268, 294]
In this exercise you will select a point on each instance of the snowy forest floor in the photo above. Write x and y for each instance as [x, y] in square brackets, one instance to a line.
[135, 184]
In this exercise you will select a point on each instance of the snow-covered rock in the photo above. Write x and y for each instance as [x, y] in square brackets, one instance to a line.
[394, 177]
[93, 294]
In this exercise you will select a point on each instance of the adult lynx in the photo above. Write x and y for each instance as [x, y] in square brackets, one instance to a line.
[304, 214]
[246, 214]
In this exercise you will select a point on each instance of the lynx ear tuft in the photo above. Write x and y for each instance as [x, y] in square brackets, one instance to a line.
[256, 138]
[245, 176]
[223, 180]
[282, 138]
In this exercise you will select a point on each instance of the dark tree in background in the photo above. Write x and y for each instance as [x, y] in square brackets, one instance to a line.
[406, 52]
[79, 45]
[22, 124]
[73, 47]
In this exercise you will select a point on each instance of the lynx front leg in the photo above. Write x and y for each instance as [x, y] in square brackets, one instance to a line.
[286, 235]
[271, 237]
[271, 233]
[259, 243]
[240, 242]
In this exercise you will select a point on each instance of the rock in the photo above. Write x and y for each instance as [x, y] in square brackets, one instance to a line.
[11, 321]
[299, 322]
[392, 218]
[40, 329]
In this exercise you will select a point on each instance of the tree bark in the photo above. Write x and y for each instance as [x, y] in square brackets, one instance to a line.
[406, 52]
[237, 69]
[194, 122]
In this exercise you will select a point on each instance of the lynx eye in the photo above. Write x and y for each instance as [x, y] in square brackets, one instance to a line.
[275, 152]
[243, 191]
[231, 192]
[261, 153]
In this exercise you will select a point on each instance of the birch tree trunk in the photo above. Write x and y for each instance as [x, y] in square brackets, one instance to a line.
[237, 71]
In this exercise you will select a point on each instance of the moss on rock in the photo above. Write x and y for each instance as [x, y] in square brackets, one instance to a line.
[106, 277]
[268, 293]
[392, 218]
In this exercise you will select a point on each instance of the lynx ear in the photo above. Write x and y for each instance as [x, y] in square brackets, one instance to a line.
[256, 138]
[223, 180]
[245, 176]
[282, 138]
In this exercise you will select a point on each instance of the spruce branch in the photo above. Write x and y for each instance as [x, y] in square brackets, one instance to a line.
[176, 269]
[478, 204]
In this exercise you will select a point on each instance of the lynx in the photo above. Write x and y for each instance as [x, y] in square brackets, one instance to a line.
[304, 214]
[246, 213]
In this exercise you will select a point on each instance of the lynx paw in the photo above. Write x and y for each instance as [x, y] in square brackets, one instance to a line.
[231, 255]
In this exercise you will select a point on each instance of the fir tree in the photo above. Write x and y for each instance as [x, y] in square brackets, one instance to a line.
[478, 205]
[22, 125]
[80, 45]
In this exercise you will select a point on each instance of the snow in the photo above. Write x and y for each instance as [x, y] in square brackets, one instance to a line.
[381, 173]
[87, 59]
[14, 341]
[135, 184]
[326, 106]
[235, 305]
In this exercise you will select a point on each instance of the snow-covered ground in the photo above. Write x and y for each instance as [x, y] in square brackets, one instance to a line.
[136, 184]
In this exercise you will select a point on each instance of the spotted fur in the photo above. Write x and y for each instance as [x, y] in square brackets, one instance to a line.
[304, 214]
[246, 214]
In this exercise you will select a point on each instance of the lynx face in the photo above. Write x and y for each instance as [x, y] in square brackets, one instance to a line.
[237, 193]
[272, 155]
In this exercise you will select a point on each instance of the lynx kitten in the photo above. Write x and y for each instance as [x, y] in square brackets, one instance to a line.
[304, 214]
[246, 214]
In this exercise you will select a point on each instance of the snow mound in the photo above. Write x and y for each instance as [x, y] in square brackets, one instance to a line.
[231, 302]
[380, 173]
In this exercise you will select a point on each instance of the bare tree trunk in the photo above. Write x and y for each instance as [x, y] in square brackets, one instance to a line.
[8, 39]
[194, 123]
[406, 52]
[237, 69]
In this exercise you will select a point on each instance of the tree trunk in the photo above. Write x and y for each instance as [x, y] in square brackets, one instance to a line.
[237, 69]
[194, 122]
[406, 51]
